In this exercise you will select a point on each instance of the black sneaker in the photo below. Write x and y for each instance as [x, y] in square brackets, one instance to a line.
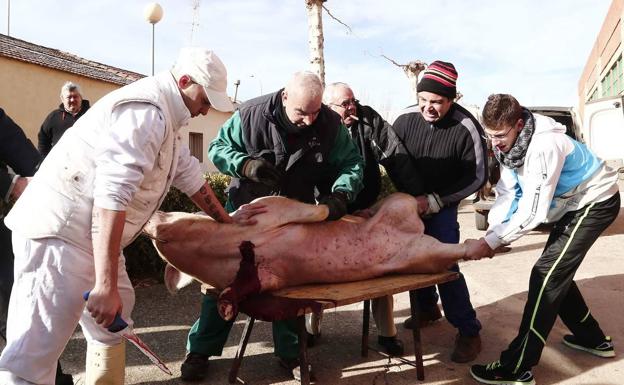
[294, 368]
[194, 367]
[312, 339]
[494, 373]
[604, 349]
[392, 346]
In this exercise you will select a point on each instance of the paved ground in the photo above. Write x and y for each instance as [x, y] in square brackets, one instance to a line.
[498, 289]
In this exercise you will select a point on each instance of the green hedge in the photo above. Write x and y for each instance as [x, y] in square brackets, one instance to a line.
[387, 187]
[142, 260]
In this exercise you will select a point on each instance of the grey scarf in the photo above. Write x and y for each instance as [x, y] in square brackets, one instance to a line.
[515, 157]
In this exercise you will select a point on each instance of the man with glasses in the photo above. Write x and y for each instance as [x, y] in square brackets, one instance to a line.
[72, 107]
[447, 162]
[284, 143]
[546, 177]
[369, 131]
[89, 199]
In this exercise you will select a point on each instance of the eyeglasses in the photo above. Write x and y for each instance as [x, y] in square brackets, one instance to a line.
[346, 103]
[497, 136]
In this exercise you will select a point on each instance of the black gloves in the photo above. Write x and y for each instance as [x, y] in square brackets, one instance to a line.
[337, 203]
[262, 171]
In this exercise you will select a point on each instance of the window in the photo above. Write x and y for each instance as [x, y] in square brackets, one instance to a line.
[613, 82]
[594, 95]
[196, 145]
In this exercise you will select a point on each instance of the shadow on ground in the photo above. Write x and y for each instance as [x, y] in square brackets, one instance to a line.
[163, 322]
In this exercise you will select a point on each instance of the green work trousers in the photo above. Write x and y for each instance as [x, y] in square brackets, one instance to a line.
[210, 332]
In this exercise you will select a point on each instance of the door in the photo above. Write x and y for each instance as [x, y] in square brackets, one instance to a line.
[603, 129]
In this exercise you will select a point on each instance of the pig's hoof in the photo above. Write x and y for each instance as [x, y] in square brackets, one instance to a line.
[226, 305]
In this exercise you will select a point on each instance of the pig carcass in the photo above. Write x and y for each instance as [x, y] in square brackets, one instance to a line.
[291, 244]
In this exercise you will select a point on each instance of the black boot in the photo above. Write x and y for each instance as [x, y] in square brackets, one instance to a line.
[392, 346]
[194, 367]
[62, 378]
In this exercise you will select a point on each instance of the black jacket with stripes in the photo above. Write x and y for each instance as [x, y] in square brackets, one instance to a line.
[447, 157]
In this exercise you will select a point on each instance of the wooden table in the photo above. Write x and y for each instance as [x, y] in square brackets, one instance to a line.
[340, 294]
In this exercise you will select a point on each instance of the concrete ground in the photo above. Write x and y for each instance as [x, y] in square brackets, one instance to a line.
[498, 290]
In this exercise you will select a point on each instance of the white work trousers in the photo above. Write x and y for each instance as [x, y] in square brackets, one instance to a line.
[46, 305]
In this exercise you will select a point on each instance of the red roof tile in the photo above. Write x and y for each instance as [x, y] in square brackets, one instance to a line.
[53, 58]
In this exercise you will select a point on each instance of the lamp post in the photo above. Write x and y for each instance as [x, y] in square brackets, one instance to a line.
[8, 17]
[236, 84]
[153, 12]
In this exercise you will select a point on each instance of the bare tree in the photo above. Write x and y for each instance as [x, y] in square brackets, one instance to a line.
[315, 37]
[412, 70]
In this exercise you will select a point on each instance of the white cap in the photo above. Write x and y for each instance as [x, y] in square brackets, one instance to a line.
[207, 70]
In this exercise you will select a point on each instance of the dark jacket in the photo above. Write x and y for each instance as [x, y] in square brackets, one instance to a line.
[16, 151]
[449, 156]
[376, 139]
[55, 125]
[370, 134]
[305, 159]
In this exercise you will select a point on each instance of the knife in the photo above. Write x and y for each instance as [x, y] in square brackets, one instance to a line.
[119, 325]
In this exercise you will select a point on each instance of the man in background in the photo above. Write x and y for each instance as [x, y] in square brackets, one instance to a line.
[369, 131]
[72, 107]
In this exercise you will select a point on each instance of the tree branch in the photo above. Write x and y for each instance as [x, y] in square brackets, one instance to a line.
[392, 61]
[335, 18]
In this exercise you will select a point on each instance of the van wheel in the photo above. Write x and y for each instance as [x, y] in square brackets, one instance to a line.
[481, 220]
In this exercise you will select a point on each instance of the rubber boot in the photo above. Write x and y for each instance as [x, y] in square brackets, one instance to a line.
[106, 365]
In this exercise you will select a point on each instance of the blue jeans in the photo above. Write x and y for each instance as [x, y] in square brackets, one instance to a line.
[455, 298]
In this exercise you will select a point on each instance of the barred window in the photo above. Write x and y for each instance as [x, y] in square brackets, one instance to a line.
[613, 82]
[196, 145]
[594, 95]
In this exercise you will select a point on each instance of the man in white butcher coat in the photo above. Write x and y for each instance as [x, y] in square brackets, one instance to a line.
[90, 198]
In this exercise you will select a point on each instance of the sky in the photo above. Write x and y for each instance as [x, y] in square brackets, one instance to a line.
[533, 49]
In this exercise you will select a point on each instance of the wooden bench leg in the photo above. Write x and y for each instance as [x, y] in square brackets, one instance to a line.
[365, 327]
[420, 370]
[303, 351]
[240, 352]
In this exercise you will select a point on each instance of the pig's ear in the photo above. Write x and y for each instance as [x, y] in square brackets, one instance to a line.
[175, 279]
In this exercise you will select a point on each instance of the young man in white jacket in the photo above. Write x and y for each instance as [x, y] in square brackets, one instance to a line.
[546, 177]
[89, 199]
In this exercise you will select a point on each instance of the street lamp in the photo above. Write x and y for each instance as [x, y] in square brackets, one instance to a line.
[236, 84]
[153, 12]
[8, 17]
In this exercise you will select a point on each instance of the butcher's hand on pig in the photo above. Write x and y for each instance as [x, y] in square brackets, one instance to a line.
[245, 214]
[477, 249]
[337, 204]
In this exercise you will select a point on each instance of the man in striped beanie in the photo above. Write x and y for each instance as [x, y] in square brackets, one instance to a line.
[445, 163]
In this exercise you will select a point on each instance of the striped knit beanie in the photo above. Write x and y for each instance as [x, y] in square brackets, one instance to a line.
[439, 78]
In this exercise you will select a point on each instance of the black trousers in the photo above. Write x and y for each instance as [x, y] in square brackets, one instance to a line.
[6, 275]
[552, 290]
